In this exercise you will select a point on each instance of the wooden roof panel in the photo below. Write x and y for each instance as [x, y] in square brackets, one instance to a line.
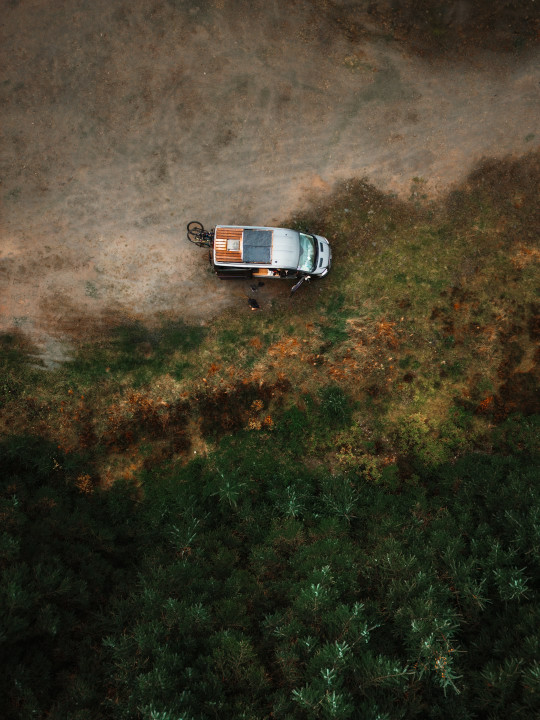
[225, 251]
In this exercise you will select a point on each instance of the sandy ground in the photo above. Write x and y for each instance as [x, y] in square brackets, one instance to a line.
[123, 121]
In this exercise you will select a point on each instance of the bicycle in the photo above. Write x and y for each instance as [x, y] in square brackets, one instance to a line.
[198, 235]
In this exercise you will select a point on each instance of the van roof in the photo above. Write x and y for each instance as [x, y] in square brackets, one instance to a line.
[256, 245]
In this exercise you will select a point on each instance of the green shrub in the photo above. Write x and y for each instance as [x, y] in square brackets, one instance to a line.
[336, 407]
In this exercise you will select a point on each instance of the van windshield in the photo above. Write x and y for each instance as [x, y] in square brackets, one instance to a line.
[308, 254]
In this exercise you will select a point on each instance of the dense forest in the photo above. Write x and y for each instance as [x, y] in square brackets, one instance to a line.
[329, 509]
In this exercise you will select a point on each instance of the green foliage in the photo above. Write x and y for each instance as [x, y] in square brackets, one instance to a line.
[312, 598]
[417, 443]
[16, 371]
[65, 549]
[336, 408]
[372, 551]
[144, 352]
[519, 434]
[268, 587]
[293, 425]
[333, 329]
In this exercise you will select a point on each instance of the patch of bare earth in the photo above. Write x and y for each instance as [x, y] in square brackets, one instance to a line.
[123, 121]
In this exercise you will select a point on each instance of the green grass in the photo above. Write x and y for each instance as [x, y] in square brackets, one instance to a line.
[18, 366]
[138, 353]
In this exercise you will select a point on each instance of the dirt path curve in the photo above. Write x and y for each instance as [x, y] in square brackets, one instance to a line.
[122, 121]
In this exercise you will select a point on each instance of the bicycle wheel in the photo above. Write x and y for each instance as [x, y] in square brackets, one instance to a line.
[195, 231]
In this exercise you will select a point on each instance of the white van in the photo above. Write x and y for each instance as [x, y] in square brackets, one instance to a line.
[269, 252]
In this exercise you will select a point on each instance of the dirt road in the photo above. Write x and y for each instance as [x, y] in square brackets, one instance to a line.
[123, 121]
